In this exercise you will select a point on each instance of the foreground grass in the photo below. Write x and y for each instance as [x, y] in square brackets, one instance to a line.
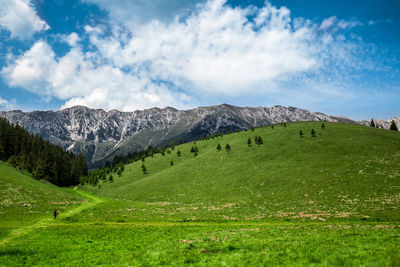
[207, 244]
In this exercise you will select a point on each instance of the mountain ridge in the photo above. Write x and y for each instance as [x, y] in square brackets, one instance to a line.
[101, 135]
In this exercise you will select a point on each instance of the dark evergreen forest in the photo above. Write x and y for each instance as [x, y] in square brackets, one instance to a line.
[39, 157]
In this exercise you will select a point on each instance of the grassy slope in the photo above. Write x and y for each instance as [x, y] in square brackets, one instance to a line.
[276, 194]
[346, 172]
[24, 200]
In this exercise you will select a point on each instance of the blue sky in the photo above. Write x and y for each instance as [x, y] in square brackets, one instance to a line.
[337, 57]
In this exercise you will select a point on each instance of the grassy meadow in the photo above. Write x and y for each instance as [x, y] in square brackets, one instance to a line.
[328, 200]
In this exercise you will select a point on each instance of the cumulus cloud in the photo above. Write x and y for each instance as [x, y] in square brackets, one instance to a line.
[216, 50]
[7, 105]
[20, 18]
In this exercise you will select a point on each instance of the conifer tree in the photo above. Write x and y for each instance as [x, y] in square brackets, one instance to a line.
[178, 153]
[312, 132]
[372, 123]
[144, 169]
[393, 126]
[260, 141]
[322, 126]
[219, 147]
[227, 148]
[111, 178]
[171, 163]
[301, 134]
[249, 141]
[272, 127]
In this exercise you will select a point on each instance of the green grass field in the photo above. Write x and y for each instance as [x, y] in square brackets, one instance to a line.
[327, 200]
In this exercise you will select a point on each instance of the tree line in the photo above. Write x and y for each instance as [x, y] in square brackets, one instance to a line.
[42, 159]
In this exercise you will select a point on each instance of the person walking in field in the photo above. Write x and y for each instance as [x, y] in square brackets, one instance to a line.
[55, 213]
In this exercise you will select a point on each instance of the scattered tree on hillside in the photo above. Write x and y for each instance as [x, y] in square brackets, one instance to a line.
[195, 154]
[172, 145]
[301, 134]
[313, 133]
[322, 126]
[258, 140]
[284, 124]
[111, 178]
[249, 141]
[272, 127]
[144, 169]
[252, 129]
[227, 148]
[171, 163]
[178, 153]
[393, 126]
[219, 147]
[372, 123]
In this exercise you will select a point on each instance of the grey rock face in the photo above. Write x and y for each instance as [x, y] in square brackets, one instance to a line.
[102, 135]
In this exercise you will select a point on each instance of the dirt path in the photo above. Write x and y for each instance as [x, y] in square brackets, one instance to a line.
[93, 201]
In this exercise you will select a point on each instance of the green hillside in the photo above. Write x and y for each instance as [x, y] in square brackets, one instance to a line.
[328, 200]
[24, 200]
[345, 172]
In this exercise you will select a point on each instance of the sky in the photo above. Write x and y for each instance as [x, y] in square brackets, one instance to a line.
[337, 57]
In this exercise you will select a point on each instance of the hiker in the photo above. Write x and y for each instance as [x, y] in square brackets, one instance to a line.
[55, 213]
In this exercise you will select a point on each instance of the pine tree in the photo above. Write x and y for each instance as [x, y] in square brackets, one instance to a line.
[172, 145]
[260, 141]
[301, 134]
[227, 148]
[372, 123]
[144, 169]
[171, 163]
[312, 132]
[192, 149]
[284, 124]
[195, 154]
[322, 126]
[256, 140]
[178, 153]
[272, 127]
[393, 126]
[249, 141]
[111, 178]
[219, 147]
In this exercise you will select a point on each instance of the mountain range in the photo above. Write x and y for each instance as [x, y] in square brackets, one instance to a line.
[102, 135]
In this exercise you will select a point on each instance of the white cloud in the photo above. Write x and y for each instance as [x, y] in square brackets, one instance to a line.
[216, 51]
[72, 39]
[20, 18]
[7, 105]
